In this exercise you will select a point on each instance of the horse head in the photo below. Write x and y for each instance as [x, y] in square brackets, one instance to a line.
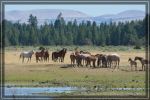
[129, 59]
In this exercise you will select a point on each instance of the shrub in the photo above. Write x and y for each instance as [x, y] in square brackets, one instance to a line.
[137, 47]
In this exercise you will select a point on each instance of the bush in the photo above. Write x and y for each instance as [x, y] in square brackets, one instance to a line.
[137, 47]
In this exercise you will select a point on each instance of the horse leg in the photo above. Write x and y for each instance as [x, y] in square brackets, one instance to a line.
[118, 64]
[142, 66]
[37, 58]
[61, 60]
[47, 59]
[131, 67]
[22, 59]
[94, 64]
[87, 62]
[98, 62]
[71, 62]
[78, 62]
[136, 67]
[28, 60]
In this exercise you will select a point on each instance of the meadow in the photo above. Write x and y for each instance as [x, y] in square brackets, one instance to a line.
[53, 74]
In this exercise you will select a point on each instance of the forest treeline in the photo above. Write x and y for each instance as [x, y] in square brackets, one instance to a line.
[72, 33]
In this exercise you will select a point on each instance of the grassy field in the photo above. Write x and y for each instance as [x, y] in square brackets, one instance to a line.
[62, 74]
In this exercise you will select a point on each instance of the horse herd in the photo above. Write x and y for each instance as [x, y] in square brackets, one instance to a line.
[86, 58]
[82, 58]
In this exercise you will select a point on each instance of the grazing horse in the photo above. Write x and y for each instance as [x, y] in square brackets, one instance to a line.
[39, 54]
[26, 54]
[102, 60]
[143, 61]
[46, 55]
[72, 58]
[59, 55]
[113, 58]
[133, 63]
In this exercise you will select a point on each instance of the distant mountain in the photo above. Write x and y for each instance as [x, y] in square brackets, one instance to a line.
[43, 15]
[124, 16]
[49, 15]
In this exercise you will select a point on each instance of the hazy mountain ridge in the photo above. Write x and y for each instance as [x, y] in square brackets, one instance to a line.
[49, 15]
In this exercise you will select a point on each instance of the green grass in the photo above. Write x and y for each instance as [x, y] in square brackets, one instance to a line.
[55, 75]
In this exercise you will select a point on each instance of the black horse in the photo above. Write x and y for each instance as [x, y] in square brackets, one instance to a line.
[59, 55]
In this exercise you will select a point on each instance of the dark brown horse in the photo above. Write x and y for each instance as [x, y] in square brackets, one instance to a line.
[39, 55]
[79, 59]
[143, 61]
[59, 55]
[46, 55]
[102, 60]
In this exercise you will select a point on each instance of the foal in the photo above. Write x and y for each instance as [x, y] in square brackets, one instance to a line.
[132, 62]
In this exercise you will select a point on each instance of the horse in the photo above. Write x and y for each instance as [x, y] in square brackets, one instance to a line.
[72, 58]
[132, 62]
[102, 60]
[46, 55]
[113, 58]
[59, 55]
[39, 54]
[89, 59]
[143, 61]
[26, 54]
[79, 59]
[84, 56]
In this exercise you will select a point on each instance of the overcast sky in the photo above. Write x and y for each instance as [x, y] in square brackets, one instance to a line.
[92, 10]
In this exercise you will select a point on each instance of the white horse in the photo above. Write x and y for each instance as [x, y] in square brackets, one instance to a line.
[26, 54]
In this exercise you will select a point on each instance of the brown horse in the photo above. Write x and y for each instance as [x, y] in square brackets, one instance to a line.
[113, 58]
[132, 63]
[143, 61]
[46, 55]
[72, 58]
[38, 55]
[81, 57]
[59, 55]
[90, 59]
[102, 60]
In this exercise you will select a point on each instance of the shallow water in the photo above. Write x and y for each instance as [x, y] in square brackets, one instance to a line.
[34, 90]
[29, 91]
